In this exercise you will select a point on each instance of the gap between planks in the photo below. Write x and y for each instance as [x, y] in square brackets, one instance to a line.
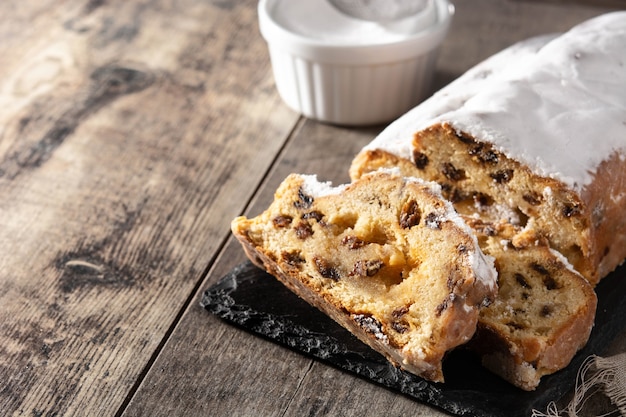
[297, 390]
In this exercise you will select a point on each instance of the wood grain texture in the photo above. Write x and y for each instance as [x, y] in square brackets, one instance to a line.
[126, 129]
[258, 377]
[131, 133]
[243, 375]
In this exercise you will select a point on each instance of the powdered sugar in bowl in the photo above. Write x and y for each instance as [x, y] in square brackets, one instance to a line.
[338, 69]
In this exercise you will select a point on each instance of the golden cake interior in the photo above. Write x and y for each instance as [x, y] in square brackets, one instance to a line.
[383, 252]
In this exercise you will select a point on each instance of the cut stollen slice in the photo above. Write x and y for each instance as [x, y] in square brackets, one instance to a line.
[385, 256]
[543, 314]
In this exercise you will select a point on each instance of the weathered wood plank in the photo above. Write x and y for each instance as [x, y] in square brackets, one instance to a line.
[127, 133]
[209, 367]
[234, 373]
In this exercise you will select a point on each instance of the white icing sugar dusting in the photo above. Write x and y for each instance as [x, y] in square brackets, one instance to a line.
[554, 103]
[484, 269]
[371, 325]
[314, 188]
[397, 137]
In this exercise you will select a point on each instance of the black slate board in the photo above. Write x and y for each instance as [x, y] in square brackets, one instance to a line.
[250, 298]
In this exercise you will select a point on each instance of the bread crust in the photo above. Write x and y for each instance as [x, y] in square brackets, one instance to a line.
[605, 199]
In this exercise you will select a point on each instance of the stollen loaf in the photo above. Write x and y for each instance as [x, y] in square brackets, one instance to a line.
[530, 147]
[535, 136]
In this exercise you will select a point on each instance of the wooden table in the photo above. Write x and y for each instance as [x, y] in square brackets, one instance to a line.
[131, 133]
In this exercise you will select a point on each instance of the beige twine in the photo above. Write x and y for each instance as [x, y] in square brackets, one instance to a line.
[596, 374]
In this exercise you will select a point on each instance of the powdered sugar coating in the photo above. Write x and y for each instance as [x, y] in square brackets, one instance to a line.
[311, 186]
[554, 103]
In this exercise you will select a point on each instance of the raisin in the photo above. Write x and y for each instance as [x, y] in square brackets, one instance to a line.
[316, 215]
[539, 268]
[444, 304]
[446, 188]
[303, 230]
[546, 311]
[482, 199]
[304, 201]
[432, 221]
[457, 196]
[421, 160]
[410, 215]
[352, 242]
[502, 176]
[326, 270]
[465, 138]
[452, 173]
[522, 281]
[366, 268]
[292, 258]
[453, 278]
[550, 283]
[399, 312]
[399, 327]
[570, 210]
[533, 199]
[441, 307]
[483, 153]
[282, 221]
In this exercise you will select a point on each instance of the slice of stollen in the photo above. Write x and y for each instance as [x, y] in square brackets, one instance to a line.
[543, 314]
[386, 257]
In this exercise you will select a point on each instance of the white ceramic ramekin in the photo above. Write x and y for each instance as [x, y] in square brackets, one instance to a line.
[352, 83]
